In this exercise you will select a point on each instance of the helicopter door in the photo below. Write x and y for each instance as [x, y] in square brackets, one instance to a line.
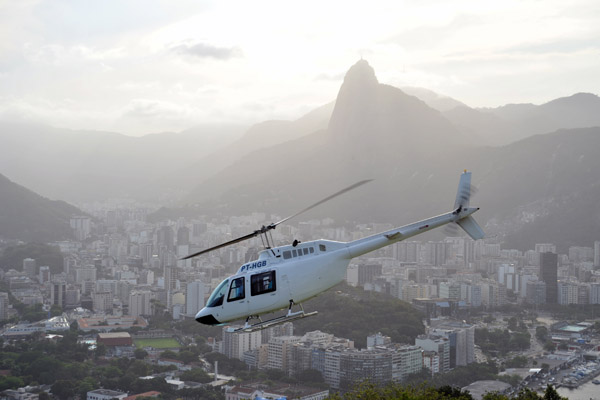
[237, 297]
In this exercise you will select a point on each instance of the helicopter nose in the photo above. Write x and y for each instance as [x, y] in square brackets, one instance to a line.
[205, 317]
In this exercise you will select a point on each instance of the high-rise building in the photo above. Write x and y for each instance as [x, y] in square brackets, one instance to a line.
[406, 251]
[29, 266]
[374, 365]
[462, 342]
[166, 238]
[103, 301]
[440, 345]
[378, 340]
[568, 293]
[536, 292]
[549, 274]
[597, 254]
[44, 275]
[87, 273]
[435, 253]
[194, 298]
[545, 248]
[235, 344]
[58, 293]
[450, 290]
[406, 360]
[431, 361]
[183, 236]
[81, 226]
[139, 303]
[280, 352]
[3, 306]
[595, 293]
[368, 273]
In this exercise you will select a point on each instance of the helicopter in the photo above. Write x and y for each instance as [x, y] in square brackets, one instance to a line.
[286, 276]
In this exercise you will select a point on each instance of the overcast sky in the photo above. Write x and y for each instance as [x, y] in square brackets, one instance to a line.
[146, 66]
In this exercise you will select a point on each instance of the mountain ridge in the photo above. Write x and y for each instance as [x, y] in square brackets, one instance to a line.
[29, 217]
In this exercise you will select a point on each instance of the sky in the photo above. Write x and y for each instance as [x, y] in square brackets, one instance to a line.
[145, 66]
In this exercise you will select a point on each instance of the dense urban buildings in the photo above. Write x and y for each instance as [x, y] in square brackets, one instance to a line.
[126, 270]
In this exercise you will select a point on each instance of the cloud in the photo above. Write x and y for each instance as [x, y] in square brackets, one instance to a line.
[203, 50]
[147, 108]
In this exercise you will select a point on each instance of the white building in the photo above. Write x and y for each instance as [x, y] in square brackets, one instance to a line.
[81, 227]
[235, 344]
[568, 293]
[102, 301]
[280, 352]
[105, 394]
[194, 298]
[139, 303]
[44, 274]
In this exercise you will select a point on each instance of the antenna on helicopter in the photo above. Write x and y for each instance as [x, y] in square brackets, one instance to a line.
[264, 229]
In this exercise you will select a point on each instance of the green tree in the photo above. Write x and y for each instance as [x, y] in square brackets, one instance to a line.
[549, 346]
[517, 362]
[195, 375]
[64, 389]
[169, 354]
[541, 332]
[187, 357]
[140, 354]
[10, 382]
[552, 394]
[55, 310]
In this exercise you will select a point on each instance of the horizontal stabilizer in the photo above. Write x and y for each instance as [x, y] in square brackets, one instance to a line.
[471, 227]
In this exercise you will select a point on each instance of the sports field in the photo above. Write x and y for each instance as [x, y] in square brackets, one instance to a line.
[158, 343]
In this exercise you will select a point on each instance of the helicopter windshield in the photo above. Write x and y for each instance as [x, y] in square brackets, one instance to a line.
[216, 298]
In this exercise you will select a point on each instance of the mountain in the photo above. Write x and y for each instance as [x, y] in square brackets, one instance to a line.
[432, 99]
[416, 155]
[259, 136]
[94, 165]
[375, 131]
[29, 217]
[544, 189]
[512, 122]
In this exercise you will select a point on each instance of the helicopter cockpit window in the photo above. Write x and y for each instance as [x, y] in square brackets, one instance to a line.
[287, 254]
[216, 298]
[322, 247]
[236, 292]
[262, 283]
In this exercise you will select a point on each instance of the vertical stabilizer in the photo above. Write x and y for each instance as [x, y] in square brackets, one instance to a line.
[463, 196]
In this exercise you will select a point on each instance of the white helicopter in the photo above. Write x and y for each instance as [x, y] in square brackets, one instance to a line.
[285, 276]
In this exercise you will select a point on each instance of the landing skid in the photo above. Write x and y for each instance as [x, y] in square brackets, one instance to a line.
[290, 316]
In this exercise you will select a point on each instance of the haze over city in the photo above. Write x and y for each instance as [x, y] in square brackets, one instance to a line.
[154, 156]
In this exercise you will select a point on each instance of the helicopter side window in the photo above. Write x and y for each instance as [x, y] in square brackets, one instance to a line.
[305, 250]
[322, 247]
[216, 298]
[287, 254]
[236, 292]
[262, 283]
[312, 250]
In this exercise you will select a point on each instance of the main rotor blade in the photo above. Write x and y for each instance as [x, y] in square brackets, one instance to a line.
[357, 184]
[267, 228]
[240, 239]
